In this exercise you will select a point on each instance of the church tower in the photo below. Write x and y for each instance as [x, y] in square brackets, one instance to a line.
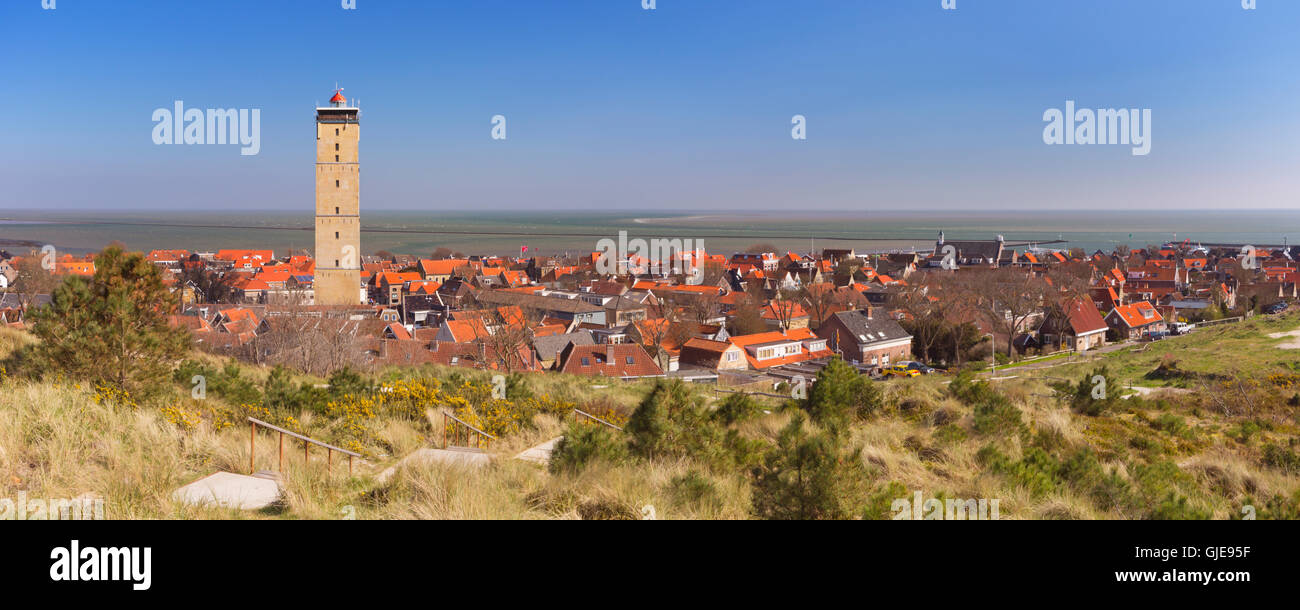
[338, 204]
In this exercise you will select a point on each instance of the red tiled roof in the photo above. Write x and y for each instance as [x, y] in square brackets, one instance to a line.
[610, 360]
[794, 334]
[445, 266]
[1084, 317]
[1136, 314]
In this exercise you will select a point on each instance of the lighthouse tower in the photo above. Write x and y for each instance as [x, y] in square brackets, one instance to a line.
[338, 203]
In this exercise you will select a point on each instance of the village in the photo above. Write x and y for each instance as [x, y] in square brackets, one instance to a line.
[756, 318]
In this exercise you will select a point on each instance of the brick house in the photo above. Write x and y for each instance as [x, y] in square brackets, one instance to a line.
[864, 338]
[1074, 324]
[1135, 321]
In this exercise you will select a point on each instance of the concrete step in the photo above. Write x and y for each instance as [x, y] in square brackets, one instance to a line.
[456, 456]
[540, 454]
[230, 490]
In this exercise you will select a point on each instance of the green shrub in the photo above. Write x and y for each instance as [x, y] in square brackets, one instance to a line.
[1093, 395]
[841, 395]
[737, 408]
[1281, 458]
[1170, 424]
[584, 444]
[809, 474]
[695, 490]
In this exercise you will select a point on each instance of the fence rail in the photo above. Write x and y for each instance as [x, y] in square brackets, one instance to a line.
[1219, 321]
[578, 414]
[458, 426]
[306, 446]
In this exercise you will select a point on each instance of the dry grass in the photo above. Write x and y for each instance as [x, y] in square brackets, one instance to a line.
[56, 441]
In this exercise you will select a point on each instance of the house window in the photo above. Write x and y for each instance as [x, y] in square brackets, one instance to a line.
[630, 360]
[586, 362]
[732, 356]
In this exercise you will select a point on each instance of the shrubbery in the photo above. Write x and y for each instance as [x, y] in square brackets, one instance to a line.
[808, 474]
[841, 396]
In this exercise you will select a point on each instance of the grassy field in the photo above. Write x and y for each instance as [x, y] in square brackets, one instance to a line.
[1224, 438]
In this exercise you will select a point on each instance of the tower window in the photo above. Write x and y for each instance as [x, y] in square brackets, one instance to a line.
[336, 262]
[336, 158]
[336, 146]
[336, 184]
[336, 209]
[336, 131]
[336, 235]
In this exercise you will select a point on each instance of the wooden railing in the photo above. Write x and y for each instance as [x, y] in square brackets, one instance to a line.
[306, 445]
[580, 415]
[459, 427]
[1219, 321]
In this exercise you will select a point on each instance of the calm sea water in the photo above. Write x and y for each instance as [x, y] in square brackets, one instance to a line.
[553, 233]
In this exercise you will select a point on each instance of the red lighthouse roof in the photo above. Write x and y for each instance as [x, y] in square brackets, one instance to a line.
[338, 98]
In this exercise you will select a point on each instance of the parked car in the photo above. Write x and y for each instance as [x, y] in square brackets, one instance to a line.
[901, 370]
[1277, 307]
[1181, 328]
[920, 367]
[1157, 335]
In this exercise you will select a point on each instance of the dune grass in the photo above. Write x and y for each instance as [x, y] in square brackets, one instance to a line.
[60, 439]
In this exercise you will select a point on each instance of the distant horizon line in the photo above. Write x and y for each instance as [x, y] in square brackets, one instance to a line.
[659, 212]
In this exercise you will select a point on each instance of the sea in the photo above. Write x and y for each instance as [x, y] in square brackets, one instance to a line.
[551, 233]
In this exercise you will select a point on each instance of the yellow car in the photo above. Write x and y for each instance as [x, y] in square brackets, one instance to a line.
[901, 370]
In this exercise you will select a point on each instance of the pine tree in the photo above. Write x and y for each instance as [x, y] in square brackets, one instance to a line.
[809, 475]
[111, 328]
[841, 395]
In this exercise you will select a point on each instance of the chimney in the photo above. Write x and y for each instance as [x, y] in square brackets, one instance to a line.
[868, 311]
[609, 353]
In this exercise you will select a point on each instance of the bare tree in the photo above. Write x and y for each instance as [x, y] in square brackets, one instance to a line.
[704, 307]
[32, 279]
[922, 321]
[1007, 298]
[784, 305]
[505, 333]
[821, 300]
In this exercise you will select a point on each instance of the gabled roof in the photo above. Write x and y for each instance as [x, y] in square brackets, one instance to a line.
[1081, 315]
[776, 337]
[445, 266]
[609, 360]
[549, 346]
[1138, 314]
[868, 330]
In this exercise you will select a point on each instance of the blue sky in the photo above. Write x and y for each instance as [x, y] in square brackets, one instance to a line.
[687, 106]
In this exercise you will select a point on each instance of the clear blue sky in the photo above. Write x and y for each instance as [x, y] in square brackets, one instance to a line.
[684, 107]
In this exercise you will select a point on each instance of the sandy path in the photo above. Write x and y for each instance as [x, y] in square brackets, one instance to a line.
[1294, 343]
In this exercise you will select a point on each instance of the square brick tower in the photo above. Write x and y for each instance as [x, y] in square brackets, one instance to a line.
[338, 203]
